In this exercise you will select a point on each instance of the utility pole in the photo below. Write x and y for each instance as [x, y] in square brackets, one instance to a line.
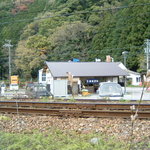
[8, 45]
[124, 53]
[147, 51]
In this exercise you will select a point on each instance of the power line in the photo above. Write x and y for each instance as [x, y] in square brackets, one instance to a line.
[76, 13]
[90, 11]
[115, 25]
[3, 56]
[24, 20]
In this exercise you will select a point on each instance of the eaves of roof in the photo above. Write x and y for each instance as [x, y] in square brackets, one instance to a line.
[85, 69]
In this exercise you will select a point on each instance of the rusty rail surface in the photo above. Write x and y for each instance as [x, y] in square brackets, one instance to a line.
[73, 105]
[67, 99]
[74, 109]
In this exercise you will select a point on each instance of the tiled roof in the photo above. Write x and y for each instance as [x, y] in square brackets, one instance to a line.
[86, 69]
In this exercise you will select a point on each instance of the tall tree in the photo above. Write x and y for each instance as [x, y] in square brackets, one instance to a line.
[31, 54]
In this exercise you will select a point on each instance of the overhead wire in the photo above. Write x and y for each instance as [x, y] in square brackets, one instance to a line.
[76, 13]
[83, 12]
[46, 2]
[5, 56]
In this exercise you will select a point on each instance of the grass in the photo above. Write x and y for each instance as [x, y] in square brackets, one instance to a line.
[57, 140]
[133, 85]
[4, 118]
[124, 100]
[46, 99]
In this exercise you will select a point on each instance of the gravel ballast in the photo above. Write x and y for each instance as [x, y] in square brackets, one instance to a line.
[117, 127]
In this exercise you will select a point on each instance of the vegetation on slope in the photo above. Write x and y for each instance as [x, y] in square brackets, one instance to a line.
[59, 30]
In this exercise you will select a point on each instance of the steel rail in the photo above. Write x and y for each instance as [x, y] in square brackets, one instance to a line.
[60, 105]
[67, 99]
[74, 113]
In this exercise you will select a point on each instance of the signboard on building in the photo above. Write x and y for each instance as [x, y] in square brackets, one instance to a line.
[92, 81]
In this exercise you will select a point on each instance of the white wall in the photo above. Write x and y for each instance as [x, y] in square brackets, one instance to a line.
[136, 79]
[40, 77]
[60, 88]
[49, 78]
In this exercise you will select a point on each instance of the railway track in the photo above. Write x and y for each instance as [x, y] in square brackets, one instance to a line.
[76, 99]
[74, 109]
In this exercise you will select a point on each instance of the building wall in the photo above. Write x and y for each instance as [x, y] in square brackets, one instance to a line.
[135, 79]
[48, 79]
[60, 88]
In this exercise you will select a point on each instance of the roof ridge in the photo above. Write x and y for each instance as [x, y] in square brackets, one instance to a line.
[78, 62]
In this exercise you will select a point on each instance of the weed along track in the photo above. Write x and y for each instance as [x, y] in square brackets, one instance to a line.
[84, 110]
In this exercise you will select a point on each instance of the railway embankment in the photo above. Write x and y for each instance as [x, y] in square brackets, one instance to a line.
[117, 127]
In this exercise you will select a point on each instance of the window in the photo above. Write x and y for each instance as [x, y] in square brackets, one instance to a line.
[138, 79]
[43, 76]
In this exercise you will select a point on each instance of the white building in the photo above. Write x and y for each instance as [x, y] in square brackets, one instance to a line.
[133, 77]
[60, 76]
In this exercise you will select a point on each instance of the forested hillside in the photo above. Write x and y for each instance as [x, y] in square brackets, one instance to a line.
[59, 30]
